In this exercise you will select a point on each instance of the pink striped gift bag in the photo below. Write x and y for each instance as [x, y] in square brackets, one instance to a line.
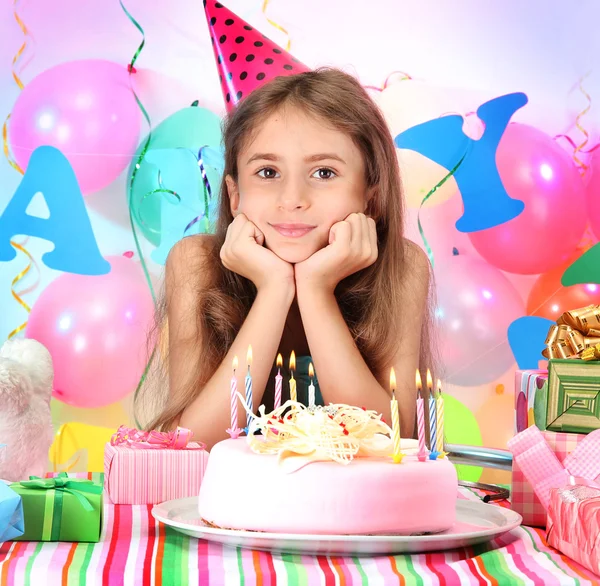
[146, 468]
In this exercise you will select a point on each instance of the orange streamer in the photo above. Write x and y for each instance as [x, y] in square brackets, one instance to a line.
[277, 26]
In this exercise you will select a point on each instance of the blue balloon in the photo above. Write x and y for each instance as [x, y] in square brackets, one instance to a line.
[526, 336]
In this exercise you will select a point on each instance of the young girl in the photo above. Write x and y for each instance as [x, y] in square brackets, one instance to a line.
[308, 255]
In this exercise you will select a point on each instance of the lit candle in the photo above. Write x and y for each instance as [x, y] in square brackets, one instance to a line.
[293, 395]
[311, 387]
[278, 381]
[432, 417]
[440, 418]
[234, 397]
[422, 454]
[397, 455]
[249, 402]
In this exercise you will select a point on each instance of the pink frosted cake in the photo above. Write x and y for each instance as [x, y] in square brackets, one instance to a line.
[325, 471]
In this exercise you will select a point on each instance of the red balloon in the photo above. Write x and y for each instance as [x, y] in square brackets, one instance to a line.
[592, 192]
[539, 172]
[548, 298]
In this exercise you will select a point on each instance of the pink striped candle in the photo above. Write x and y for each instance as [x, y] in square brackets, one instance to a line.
[234, 397]
[422, 454]
[278, 382]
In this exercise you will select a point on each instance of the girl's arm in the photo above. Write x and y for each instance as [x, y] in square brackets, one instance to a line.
[208, 415]
[344, 377]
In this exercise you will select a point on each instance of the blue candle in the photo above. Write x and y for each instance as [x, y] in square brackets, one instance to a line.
[249, 402]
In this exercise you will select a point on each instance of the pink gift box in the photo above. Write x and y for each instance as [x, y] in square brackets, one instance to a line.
[523, 498]
[150, 476]
[574, 524]
[527, 384]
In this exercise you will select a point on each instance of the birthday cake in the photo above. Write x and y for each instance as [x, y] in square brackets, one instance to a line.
[325, 470]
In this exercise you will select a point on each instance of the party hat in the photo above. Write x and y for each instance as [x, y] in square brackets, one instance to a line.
[246, 59]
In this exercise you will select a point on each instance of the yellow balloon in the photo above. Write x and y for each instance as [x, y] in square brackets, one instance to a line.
[419, 176]
[406, 104]
[109, 416]
[79, 447]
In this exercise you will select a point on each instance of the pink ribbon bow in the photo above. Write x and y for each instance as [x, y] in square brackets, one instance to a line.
[543, 469]
[155, 440]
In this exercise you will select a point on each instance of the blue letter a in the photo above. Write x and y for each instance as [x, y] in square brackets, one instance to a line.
[68, 227]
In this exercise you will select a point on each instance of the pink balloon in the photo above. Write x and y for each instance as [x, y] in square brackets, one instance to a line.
[95, 328]
[538, 171]
[476, 304]
[88, 111]
[592, 191]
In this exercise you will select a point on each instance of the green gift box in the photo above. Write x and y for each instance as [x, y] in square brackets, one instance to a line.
[60, 508]
[573, 398]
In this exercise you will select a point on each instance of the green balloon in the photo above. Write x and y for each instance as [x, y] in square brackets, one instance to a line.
[584, 270]
[192, 128]
[461, 427]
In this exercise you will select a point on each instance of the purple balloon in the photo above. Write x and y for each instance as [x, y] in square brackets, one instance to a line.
[476, 304]
[88, 111]
[95, 328]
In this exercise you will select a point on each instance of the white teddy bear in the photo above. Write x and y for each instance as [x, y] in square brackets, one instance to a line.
[26, 376]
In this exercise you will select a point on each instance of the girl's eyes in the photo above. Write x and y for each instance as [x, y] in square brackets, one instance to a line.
[269, 173]
[323, 173]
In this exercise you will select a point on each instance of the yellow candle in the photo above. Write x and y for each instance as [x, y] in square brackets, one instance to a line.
[293, 395]
[439, 407]
[395, 418]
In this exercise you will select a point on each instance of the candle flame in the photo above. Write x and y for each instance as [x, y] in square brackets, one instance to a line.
[429, 381]
[279, 361]
[311, 370]
[235, 362]
[439, 385]
[249, 356]
[293, 361]
[393, 379]
[418, 380]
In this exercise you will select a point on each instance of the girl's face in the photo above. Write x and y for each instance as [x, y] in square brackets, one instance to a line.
[296, 179]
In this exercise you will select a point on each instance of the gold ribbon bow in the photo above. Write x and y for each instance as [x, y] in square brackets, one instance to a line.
[575, 335]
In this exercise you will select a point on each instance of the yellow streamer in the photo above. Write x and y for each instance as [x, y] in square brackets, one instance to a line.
[582, 166]
[277, 26]
[18, 168]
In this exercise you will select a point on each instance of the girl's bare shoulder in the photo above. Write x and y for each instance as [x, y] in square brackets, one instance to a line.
[190, 251]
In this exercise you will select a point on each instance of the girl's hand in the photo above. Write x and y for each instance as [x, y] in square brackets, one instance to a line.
[352, 247]
[243, 253]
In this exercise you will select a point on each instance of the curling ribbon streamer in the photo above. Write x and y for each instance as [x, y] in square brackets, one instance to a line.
[140, 158]
[386, 83]
[583, 167]
[18, 168]
[277, 26]
[131, 70]
[207, 196]
[579, 148]
[437, 186]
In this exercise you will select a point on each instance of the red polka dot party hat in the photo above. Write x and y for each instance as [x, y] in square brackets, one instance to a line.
[246, 59]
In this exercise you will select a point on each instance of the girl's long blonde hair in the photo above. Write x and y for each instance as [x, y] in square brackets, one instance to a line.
[367, 299]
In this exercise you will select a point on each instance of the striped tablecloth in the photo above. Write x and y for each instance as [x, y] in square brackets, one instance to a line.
[135, 549]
